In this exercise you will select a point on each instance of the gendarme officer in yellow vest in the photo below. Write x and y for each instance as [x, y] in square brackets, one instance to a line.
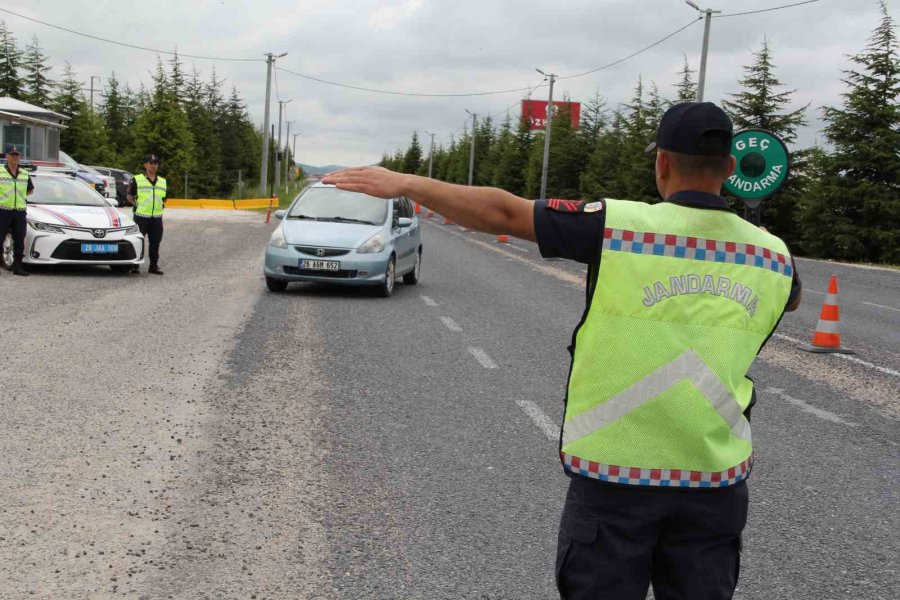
[656, 435]
[15, 186]
[147, 193]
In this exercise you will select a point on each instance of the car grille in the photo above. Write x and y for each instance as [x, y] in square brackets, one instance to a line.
[312, 251]
[71, 250]
[342, 274]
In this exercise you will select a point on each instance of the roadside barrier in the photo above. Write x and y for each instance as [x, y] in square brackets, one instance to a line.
[827, 336]
[251, 203]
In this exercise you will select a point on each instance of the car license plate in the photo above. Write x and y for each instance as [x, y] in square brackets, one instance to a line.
[320, 265]
[99, 248]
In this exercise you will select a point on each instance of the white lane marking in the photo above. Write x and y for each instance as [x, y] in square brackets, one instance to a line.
[428, 301]
[451, 324]
[818, 412]
[882, 306]
[847, 357]
[482, 357]
[543, 422]
[816, 292]
[545, 269]
[519, 248]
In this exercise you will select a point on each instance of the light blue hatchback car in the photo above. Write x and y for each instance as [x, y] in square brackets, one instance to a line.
[334, 236]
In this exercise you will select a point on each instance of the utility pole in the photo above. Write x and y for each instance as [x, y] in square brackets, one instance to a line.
[431, 154]
[185, 185]
[472, 151]
[281, 104]
[287, 166]
[294, 149]
[93, 77]
[547, 129]
[264, 171]
[701, 83]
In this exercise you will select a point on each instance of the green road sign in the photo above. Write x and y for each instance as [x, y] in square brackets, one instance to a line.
[762, 164]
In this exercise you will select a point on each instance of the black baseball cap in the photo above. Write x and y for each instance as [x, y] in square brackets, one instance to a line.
[13, 149]
[698, 128]
[151, 158]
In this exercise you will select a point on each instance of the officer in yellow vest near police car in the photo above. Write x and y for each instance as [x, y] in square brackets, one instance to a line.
[15, 186]
[656, 435]
[147, 193]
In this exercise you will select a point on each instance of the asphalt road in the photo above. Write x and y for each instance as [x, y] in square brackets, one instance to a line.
[194, 436]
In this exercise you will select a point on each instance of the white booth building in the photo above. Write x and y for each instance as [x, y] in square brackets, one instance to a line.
[33, 129]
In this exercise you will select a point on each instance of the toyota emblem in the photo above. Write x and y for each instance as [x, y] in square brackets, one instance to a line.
[99, 233]
[320, 252]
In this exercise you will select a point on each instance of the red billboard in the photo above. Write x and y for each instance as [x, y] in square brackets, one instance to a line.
[535, 112]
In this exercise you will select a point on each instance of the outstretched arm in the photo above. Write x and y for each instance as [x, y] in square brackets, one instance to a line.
[491, 210]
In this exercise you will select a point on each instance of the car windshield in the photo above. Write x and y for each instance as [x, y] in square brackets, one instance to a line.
[332, 204]
[62, 190]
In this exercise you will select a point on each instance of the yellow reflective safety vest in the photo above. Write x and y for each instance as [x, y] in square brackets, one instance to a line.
[13, 190]
[149, 199]
[683, 300]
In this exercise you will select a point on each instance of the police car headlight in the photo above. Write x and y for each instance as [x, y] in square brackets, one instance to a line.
[45, 227]
[134, 229]
[277, 238]
[373, 245]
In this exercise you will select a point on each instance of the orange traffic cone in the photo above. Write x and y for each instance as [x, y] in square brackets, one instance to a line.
[418, 208]
[447, 221]
[827, 336]
[429, 214]
[502, 239]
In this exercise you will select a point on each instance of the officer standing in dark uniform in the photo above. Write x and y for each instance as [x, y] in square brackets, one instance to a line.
[656, 434]
[15, 186]
[147, 193]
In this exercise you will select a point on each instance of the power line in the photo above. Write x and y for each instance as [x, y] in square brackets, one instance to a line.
[393, 93]
[100, 39]
[762, 10]
[641, 51]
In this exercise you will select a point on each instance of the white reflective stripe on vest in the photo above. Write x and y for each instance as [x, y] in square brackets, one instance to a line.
[687, 366]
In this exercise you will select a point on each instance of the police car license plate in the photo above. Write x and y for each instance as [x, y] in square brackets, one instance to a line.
[99, 248]
[320, 265]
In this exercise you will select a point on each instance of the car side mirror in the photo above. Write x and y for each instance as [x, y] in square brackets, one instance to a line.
[279, 214]
[404, 222]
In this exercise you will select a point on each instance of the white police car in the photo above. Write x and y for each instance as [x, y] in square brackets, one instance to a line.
[70, 223]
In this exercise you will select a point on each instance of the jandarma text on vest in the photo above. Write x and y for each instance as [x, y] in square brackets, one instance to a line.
[680, 285]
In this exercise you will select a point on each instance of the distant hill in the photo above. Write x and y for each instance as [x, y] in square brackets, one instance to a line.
[311, 170]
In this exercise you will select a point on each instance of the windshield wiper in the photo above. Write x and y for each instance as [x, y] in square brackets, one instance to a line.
[348, 220]
[307, 217]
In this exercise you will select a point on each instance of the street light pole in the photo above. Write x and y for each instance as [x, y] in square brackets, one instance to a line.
[430, 154]
[281, 104]
[547, 130]
[472, 150]
[701, 83]
[264, 171]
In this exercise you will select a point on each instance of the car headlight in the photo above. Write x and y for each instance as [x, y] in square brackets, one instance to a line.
[373, 245]
[277, 238]
[45, 227]
[134, 229]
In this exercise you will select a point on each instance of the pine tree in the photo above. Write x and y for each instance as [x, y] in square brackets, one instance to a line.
[117, 113]
[594, 119]
[600, 177]
[853, 210]
[762, 106]
[163, 128]
[241, 144]
[687, 87]
[84, 138]
[204, 177]
[10, 64]
[37, 87]
[412, 159]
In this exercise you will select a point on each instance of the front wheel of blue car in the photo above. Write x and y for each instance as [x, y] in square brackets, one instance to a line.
[276, 285]
[386, 288]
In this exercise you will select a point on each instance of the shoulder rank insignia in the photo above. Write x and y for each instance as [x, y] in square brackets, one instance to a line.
[574, 206]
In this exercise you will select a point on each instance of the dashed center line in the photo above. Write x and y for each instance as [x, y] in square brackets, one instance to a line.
[482, 357]
[451, 324]
[543, 422]
[428, 301]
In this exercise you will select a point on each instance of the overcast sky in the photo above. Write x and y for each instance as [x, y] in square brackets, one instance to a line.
[443, 46]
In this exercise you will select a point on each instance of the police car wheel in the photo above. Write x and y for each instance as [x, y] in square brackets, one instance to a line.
[6, 253]
[276, 285]
[412, 278]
